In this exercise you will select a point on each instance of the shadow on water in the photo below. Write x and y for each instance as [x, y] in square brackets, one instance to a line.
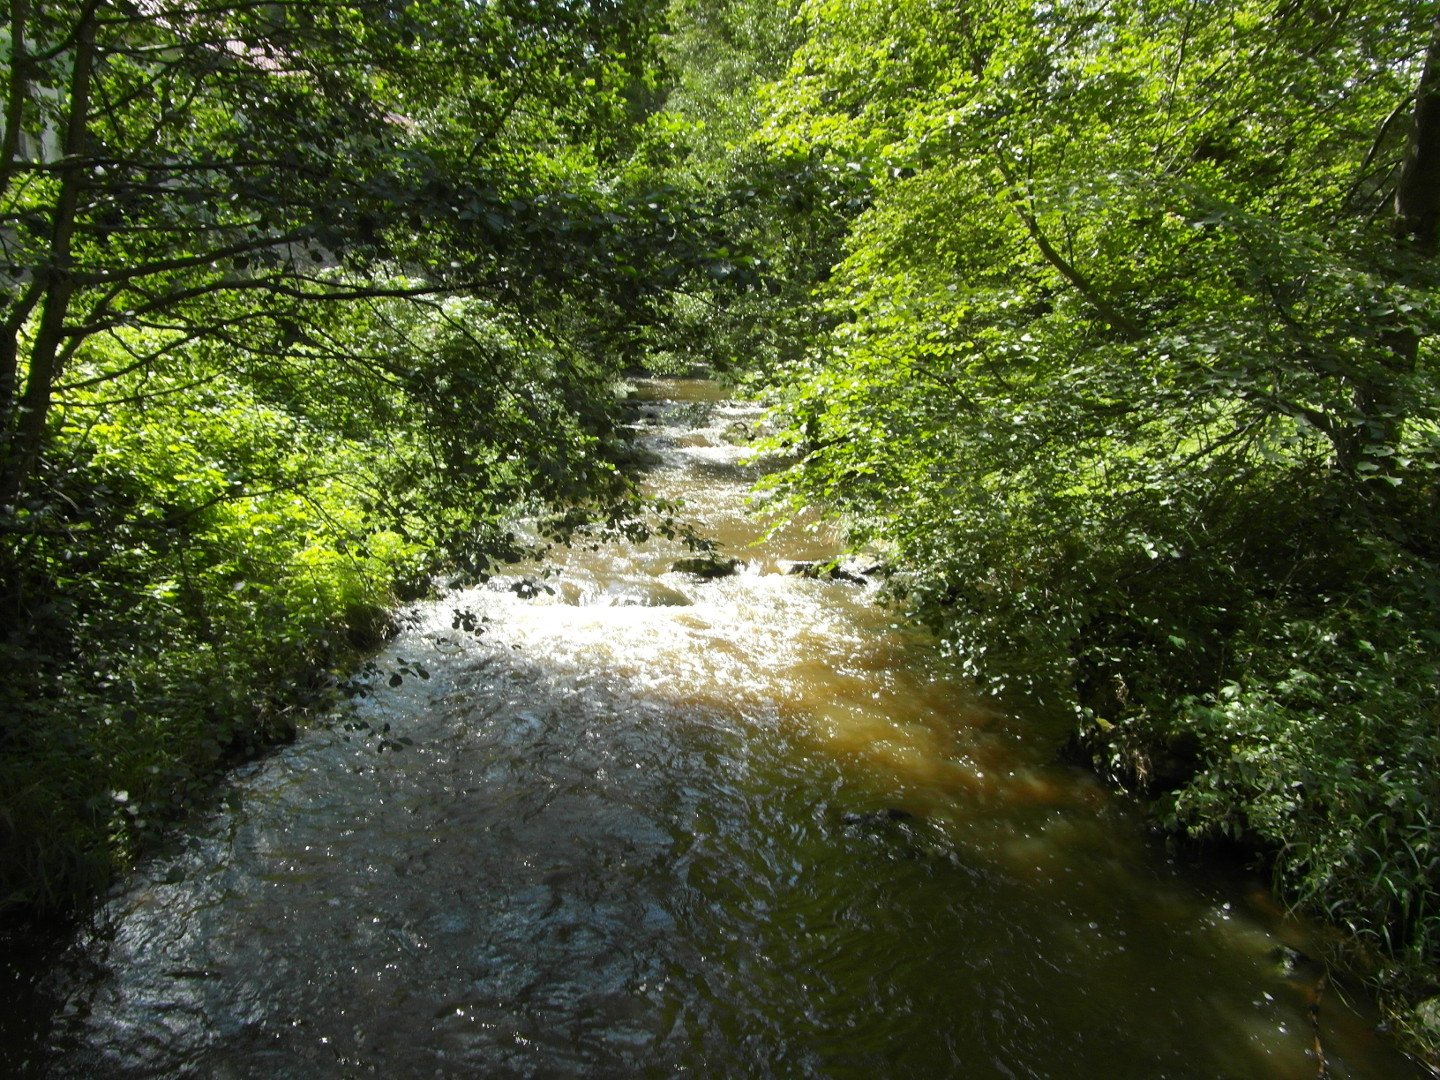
[750, 829]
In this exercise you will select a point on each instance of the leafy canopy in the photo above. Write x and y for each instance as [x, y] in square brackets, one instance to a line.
[1133, 369]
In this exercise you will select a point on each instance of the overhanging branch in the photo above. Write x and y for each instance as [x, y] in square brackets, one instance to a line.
[1103, 307]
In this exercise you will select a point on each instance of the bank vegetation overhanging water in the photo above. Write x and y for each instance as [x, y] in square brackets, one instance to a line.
[1114, 324]
[632, 811]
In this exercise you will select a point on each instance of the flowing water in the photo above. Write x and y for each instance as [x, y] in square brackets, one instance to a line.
[645, 825]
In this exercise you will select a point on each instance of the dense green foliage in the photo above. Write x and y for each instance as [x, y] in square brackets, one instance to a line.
[783, 215]
[1132, 369]
[1111, 322]
[302, 304]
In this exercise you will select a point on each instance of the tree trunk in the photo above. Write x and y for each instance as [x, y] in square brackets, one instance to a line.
[1417, 196]
[25, 434]
[1381, 401]
[17, 90]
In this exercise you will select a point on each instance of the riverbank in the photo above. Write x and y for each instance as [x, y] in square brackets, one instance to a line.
[1157, 767]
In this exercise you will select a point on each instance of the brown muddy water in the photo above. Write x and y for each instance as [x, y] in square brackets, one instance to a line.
[653, 826]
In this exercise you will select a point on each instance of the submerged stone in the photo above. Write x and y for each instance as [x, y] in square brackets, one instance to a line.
[877, 817]
[737, 433]
[648, 594]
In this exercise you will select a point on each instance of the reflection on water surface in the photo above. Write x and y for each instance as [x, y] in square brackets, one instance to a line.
[656, 826]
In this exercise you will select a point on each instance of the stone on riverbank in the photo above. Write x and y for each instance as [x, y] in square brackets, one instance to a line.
[852, 571]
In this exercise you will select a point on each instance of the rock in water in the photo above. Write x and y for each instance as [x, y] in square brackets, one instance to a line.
[707, 566]
[849, 571]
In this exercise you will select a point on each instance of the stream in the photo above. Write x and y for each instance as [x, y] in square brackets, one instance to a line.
[639, 824]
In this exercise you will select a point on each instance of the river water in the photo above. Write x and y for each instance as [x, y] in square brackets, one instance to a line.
[645, 825]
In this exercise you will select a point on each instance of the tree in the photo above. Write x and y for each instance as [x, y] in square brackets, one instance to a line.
[300, 304]
[189, 170]
[1133, 369]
